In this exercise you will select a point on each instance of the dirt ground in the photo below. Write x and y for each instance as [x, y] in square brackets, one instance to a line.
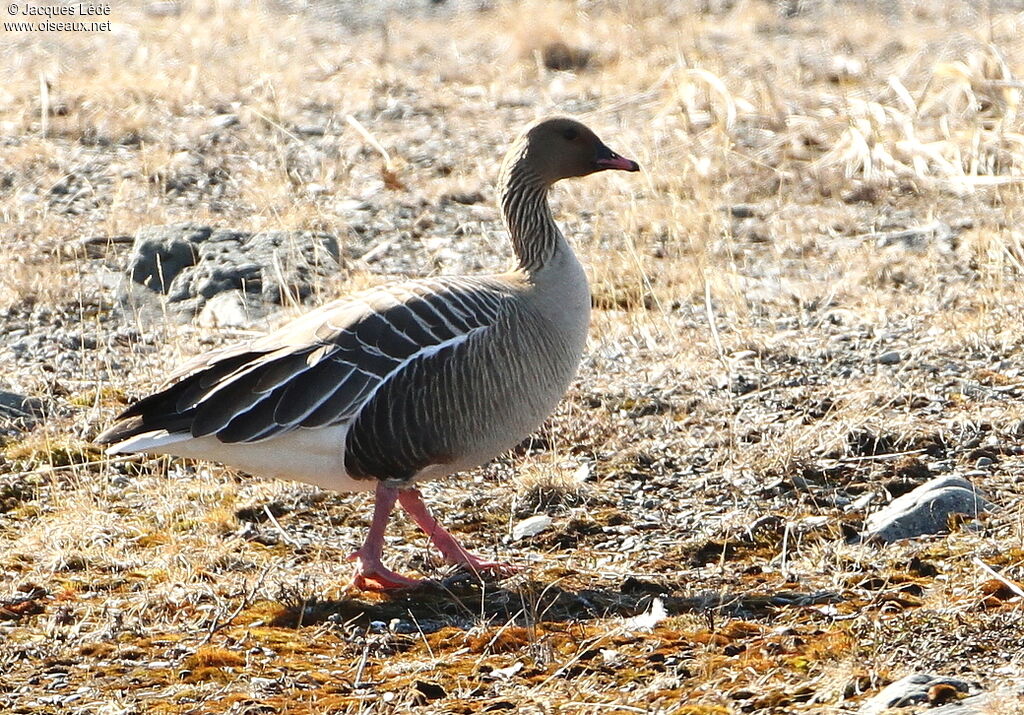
[808, 303]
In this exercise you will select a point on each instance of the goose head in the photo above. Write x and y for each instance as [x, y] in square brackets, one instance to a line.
[562, 148]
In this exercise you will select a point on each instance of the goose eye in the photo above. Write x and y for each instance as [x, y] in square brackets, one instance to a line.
[570, 134]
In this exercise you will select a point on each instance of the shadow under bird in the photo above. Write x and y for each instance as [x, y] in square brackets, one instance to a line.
[406, 382]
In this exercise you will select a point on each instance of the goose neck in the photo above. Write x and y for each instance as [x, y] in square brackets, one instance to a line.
[527, 215]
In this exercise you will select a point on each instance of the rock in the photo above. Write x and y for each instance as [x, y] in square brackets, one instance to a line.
[94, 246]
[504, 673]
[860, 193]
[890, 357]
[351, 205]
[225, 310]
[558, 55]
[190, 264]
[160, 253]
[844, 67]
[753, 230]
[223, 121]
[466, 198]
[531, 526]
[925, 510]
[911, 690]
[744, 211]
[937, 233]
[18, 412]
[1003, 699]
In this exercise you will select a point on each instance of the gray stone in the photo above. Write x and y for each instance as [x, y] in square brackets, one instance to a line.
[160, 253]
[911, 690]
[925, 510]
[225, 310]
[223, 121]
[531, 526]
[917, 238]
[351, 205]
[1005, 699]
[18, 412]
[890, 357]
[190, 264]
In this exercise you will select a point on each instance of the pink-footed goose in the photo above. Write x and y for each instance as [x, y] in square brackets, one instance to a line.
[405, 382]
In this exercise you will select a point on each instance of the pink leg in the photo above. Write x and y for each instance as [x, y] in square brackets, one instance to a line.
[452, 551]
[371, 573]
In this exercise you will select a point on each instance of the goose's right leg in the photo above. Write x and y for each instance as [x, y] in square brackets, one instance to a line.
[450, 548]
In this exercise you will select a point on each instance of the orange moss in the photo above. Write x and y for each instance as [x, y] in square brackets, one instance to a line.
[829, 645]
[742, 629]
[709, 638]
[155, 538]
[96, 650]
[262, 612]
[508, 640]
[1010, 557]
[209, 674]
[214, 657]
[996, 593]
[236, 702]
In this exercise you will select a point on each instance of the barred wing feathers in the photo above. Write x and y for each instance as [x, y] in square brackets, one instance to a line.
[318, 370]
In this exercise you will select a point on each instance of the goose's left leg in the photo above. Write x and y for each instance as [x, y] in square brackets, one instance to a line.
[371, 573]
[452, 551]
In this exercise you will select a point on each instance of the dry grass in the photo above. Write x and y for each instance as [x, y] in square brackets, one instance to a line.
[746, 283]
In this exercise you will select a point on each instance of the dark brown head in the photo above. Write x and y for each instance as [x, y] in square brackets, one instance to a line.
[561, 148]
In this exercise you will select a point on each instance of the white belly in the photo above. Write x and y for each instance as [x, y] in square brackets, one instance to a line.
[313, 456]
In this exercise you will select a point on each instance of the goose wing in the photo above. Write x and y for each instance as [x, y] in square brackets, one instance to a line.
[318, 370]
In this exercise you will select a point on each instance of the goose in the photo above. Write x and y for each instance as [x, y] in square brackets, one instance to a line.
[409, 381]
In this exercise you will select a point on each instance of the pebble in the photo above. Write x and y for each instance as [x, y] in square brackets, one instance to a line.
[925, 510]
[222, 121]
[890, 358]
[613, 658]
[744, 211]
[917, 238]
[531, 527]
[225, 310]
[18, 412]
[911, 690]
[350, 205]
[265, 684]
[505, 673]
[1004, 698]
[14, 405]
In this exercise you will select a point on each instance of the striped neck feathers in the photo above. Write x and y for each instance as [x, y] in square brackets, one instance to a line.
[523, 197]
